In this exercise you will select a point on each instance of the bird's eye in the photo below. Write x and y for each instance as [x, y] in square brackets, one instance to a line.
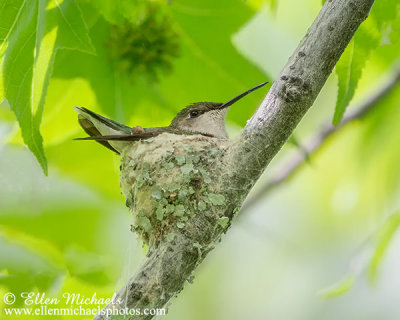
[194, 113]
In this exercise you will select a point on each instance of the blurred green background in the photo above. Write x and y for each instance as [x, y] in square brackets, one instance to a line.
[322, 246]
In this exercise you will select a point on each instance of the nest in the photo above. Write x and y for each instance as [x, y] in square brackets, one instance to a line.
[170, 180]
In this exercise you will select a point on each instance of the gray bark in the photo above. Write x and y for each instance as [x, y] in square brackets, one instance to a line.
[215, 175]
[317, 141]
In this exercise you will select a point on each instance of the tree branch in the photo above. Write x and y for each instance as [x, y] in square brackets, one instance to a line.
[315, 143]
[297, 87]
[185, 190]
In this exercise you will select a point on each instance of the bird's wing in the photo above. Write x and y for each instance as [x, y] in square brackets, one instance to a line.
[91, 130]
[108, 123]
[96, 125]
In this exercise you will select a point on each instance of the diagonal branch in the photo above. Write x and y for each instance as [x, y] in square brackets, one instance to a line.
[220, 173]
[315, 143]
[293, 93]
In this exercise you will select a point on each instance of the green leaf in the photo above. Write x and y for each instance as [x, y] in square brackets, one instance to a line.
[387, 16]
[211, 55]
[339, 288]
[33, 38]
[91, 81]
[395, 35]
[257, 4]
[117, 12]
[385, 12]
[82, 79]
[348, 70]
[386, 235]
[350, 66]
[19, 74]
[10, 10]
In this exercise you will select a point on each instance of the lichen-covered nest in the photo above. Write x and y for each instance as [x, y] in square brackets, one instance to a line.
[172, 179]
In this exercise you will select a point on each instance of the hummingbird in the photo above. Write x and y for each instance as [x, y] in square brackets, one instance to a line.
[204, 118]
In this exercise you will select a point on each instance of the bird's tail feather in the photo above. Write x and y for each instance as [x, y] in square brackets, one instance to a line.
[96, 125]
[86, 113]
[123, 137]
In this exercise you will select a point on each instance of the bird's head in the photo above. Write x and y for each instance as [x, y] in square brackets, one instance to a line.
[207, 118]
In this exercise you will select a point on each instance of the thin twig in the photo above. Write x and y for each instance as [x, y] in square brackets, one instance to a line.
[314, 144]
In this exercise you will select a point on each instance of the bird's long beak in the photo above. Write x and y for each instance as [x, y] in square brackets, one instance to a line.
[240, 96]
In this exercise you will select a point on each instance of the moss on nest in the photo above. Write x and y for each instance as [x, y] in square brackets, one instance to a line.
[171, 180]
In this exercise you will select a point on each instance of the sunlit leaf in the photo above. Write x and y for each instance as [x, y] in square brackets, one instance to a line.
[349, 69]
[19, 73]
[372, 33]
[10, 10]
[32, 40]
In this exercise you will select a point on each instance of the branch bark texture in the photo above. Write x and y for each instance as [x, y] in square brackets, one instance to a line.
[184, 191]
[323, 135]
